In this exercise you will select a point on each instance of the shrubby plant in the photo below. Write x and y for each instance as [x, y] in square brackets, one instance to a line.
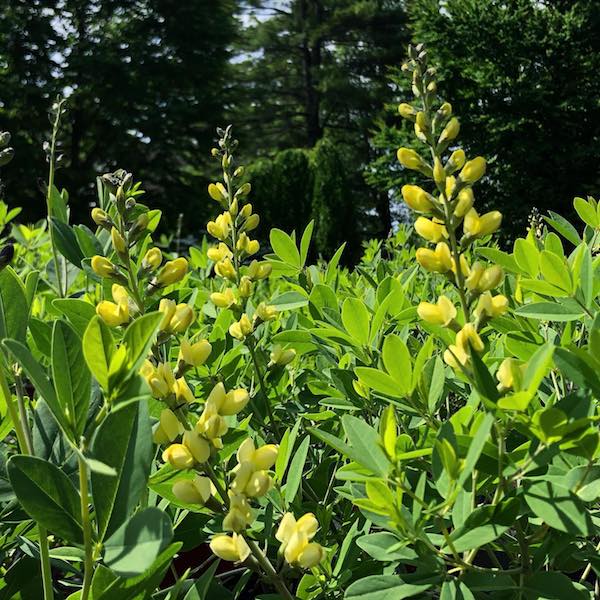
[241, 424]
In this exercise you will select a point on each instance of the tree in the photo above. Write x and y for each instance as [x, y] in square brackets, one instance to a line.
[523, 76]
[143, 78]
[315, 69]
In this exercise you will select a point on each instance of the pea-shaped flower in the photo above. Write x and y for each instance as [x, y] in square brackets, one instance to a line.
[232, 548]
[295, 537]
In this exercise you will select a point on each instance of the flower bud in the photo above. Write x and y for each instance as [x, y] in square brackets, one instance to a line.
[101, 218]
[241, 328]
[182, 392]
[152, 259]
[441, 313]
[445, 110]
[172, 272]
[265, 312]
[178, 456]
[258, 485]
[182, 318]
[170, 424]
[416, 198]
[193, 491]
[251, 223]
[102, 266]
[246, 210]
[282, 357]
[217, 191]
[167, 307]
[450, 131]
[465, 202]
[491, 306]
[439, 174]
[244, 190]
[491, 278]
[230, 548]
[258, 270]
[311, 556]
[245, 287]
[194, 354]
[223, 299]
[118, 242]
[456, 161]
[234, 402]
[407, 111]
[438, 260]
[475, 273]
[473, 170]
[432, 231]
[410, 159]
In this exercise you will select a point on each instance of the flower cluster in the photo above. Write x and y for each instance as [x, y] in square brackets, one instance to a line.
[444, 212]
[295, 537]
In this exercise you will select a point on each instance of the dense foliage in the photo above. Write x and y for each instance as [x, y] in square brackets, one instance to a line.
[221, 426]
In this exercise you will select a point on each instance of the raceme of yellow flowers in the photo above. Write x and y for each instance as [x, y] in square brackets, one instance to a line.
[448, 220]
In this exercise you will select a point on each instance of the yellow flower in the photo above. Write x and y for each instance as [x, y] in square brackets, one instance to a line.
[450, 185]
[265, 312]
[465, 202]
[445, 109]
[231, 548]
[167, 307]
[262, 458]
[476, 226]
[194, 491]
[406, 111]
[168, 427]
[246, 210]
[240, 514]
[118, 242]
[115, 314]
[282, 357]
[458, 353]
[457, 160]
[196, 445]
[251, 476]
[417, 198]
[223, 299]
[410, 159]
[491, 306]
[438, 260]
[441, 313]
[178, 456]
[450, 131]
[217, 191]
[432, 231]
[172, 272]
[295, 539]
[194, 354]
[258, 270]
[234, 402]
[251, 223]
[182, 318]
[473, 170]
[152, 259]
[218, 253]
[245, 244]
[510, 374]
[241, 328]
[100, 217]
[492, 277]
[102, 266]
[220, 227]
[182, 391]
[245, 287]
[161, 381]
[224, 268]
[439, 174]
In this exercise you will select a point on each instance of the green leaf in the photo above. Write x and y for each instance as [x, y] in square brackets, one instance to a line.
[384, 547]
[455, 590]
[79, 312]
[551, 585]
[563, 227]
[573, 366]
[355, 318]
[201, 587]
[527, 256]
[497, 257]
[98, 349]
[586, 212]
[364, 441]
[396, 359]
[476, 447]
[388, 587]
[66, 242]
[72, 379]
[285, 450]
[555, 270]
[294, 476]
[305, 242]
[550, 311]
[139, 337]
[285, 248]
[379, 381]
[135, 545]
[289, 301]
[123, 442]
[14, 308]
[559, 508]
[47, 496]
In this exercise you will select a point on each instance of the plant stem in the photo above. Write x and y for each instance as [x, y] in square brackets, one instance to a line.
[261, 381]
[88, 565]
[269, 570]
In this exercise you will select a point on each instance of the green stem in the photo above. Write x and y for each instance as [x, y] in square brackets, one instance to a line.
[261, 381]
[88, 565]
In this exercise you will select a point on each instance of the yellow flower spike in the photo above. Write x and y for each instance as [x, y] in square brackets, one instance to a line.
[118, 241]
[219, 252]
[410, 159]
[240, 514]
[430, 230]
[491, 306]
[473, 170]
[217, 191]
[457, 160]
[178, 456]
[451, 131]
[491, 278]
[475, 273]
[182, 392]
[234, 402]
[479, 226]
[438, 260]
[251, 222]
[312, 555]
[167, 307]
[194, 354]
[100, 217]
[193, 491]
[197, 446]
[225, 269]
[245, 287]
[241, 328]
[230, 548]
[465, 202]
[182, 318]
[172, 272]
[441, 313]
[102, 266]
[282, 357]
[407, 111]
[417, 198]
[152, 259]
[266, 312]
[223, 299]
